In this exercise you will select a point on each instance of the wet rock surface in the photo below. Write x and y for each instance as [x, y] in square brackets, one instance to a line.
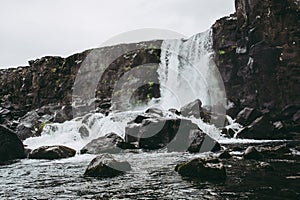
[52, 152]
[105, 166]
[155, 132]
[110, 143]
[10, 145]
[210, 169]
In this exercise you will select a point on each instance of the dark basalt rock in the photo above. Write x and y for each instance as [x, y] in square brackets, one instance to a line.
[196, 110]
[228, 132]
[11, 146]
[175, 111]
[157, 133]
[264, 166]
[175, 134]
[49, 80]
[200, 142]
[84, 132]
[110, 143]
[105, 165]
[211, 170]
[154, 111]
[28, 126]
[289, 111]
[252, 153]
[296, 117]
[192, 109]
[247, 116]
[257, 53]
[261, 128]
[225, 155]
[52, 152]
[65, 114]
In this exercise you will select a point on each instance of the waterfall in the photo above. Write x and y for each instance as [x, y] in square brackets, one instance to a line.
[187, 72]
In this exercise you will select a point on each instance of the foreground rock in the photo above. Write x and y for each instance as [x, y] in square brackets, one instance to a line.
[210, 169]
[11, 146]
[175, 134]
[197, 142]
[52, 152]
[110, 143]
[106, 166]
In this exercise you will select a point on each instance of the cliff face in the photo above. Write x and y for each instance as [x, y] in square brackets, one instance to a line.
[51, 79]
[257, 52]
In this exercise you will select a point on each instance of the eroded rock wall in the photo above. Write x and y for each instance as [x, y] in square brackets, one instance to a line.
[257, 53]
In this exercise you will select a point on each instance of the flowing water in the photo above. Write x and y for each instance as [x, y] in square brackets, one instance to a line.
[186, 73]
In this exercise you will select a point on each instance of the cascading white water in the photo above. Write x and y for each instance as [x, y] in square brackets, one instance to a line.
[186, 73]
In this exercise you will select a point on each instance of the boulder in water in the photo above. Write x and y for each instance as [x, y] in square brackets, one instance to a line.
[225, 155]
[204, 169]
[261, 128]
[157, 133]
[65, 114]
[154, 111]
[264, 166]
[110, 143]
[84, 132]
[194, 141]
[192, 109]
[105, 166]
[11, 146]
[52, 152]
[288, 111]
[296, 117]
[247, 116]
[175, 111]
[228, 132]
[175, 134]
[28, 126]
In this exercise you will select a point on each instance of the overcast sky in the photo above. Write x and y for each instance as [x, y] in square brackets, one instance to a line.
[34, 28]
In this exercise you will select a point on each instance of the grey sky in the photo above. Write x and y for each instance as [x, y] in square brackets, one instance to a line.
[34, 28]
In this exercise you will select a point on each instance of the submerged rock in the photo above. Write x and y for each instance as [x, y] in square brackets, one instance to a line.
[265, 166]
[11, 146]
[52, 152]
[210, 169]
[106, 166]
[110, 143]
